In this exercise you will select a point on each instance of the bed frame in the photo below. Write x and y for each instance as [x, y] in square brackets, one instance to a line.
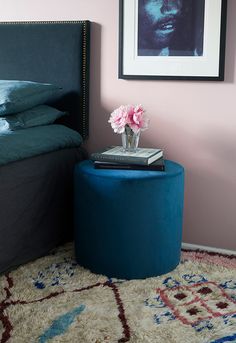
[55, 52]
[36, 194]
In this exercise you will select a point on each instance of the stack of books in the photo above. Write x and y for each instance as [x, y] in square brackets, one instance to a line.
[115, 157]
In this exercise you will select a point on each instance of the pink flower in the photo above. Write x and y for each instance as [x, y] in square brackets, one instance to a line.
[129, 115]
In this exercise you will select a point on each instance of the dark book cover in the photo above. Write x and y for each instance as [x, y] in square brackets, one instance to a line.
[158, 165]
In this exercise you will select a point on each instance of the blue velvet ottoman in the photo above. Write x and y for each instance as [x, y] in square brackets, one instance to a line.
[128, 223]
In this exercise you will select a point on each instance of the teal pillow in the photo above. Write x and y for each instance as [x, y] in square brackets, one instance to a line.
[36, 116]
[17, 96]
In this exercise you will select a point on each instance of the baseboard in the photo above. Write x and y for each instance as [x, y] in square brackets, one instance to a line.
[212, 249]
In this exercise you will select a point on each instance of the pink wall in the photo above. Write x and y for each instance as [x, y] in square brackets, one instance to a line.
[195, 122]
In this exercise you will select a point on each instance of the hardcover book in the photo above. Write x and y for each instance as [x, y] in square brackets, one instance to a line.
[144, 156]
[158, 165]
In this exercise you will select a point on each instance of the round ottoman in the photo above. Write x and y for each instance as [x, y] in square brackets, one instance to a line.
[128, 223]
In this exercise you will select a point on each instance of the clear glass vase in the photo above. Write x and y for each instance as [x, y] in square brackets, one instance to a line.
[130, 140]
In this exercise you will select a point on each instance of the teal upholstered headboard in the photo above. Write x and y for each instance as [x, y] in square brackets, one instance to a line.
[54, 52]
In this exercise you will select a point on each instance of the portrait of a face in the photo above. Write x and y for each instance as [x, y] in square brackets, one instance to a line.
[170, 27]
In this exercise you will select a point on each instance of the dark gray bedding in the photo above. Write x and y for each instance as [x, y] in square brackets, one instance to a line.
[36, 193]
[36, 196]
[21, 144]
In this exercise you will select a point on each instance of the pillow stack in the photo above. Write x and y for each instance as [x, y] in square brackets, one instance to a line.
[22, 104]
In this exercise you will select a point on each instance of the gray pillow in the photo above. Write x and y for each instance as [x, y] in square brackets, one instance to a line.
[36, 116]
[17, 96]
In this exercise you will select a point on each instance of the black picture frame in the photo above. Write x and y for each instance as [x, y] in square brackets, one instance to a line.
[209, 66]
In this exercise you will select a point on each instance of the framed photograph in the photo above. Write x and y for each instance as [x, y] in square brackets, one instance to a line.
[172, 39]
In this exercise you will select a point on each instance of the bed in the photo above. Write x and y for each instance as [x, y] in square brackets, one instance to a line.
[36, 189]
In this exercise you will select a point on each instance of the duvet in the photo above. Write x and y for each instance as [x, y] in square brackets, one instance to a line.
[25, 143]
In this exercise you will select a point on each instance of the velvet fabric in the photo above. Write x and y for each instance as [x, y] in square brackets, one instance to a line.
[17, 96]
[55, 52]
[36, 116]
[20, 144]
[128, 223]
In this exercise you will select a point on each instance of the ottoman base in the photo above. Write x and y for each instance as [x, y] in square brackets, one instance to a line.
[128, 224]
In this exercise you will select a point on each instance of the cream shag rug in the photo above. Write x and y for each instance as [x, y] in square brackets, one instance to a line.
[55, 300]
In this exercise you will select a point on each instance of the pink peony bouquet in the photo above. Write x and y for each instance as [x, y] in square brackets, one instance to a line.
[132, 116]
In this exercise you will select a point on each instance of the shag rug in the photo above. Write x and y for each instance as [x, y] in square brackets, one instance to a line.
[53, 299]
